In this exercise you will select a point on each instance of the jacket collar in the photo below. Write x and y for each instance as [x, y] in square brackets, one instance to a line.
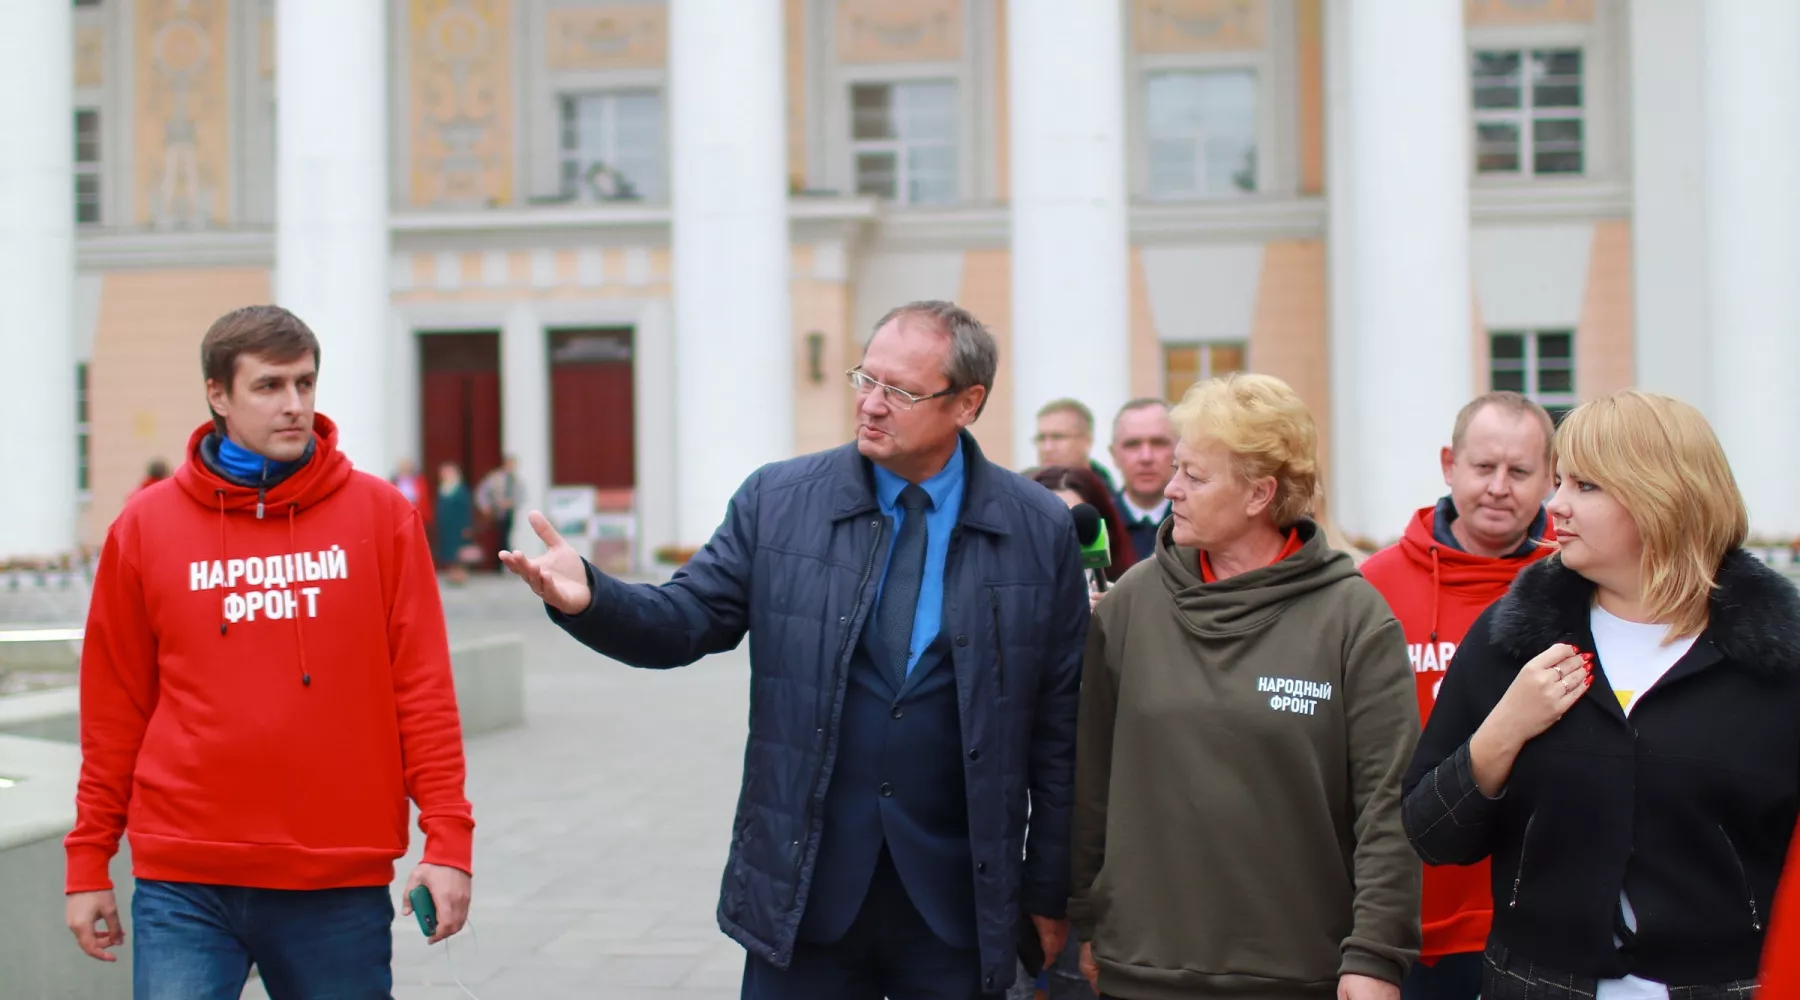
[855, 476]
[1754, 622]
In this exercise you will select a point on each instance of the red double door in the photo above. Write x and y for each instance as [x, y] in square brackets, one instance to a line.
[590, 408]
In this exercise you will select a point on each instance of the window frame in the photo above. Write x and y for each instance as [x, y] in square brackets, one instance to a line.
[84, 432]
[561, 98]
[539, 153]
[1532, 367]
[971, 72]
[95, 168]
[1601, 145]
[1277, 106]
[1206, 367]
[900, 144]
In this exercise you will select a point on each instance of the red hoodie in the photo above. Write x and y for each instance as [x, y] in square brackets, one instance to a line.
[1437, 592]
[1780, 978]
[265, 681]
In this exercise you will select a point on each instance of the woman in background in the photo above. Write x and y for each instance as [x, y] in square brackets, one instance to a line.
[455, 511]
[1082, 486]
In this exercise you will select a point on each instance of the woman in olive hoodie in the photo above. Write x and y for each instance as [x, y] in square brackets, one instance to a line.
[1247, 713]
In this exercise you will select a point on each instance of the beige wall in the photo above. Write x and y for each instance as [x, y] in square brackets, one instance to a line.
[459, 57]
[144, 384]
[986, 291]
[181, 113]
[1288, 337]
[1603, 341]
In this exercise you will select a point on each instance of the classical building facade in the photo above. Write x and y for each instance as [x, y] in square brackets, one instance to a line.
[636, 244]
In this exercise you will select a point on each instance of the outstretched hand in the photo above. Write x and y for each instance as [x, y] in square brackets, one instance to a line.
[558, 577]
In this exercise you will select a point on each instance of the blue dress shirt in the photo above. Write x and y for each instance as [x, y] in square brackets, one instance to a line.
[946, 492]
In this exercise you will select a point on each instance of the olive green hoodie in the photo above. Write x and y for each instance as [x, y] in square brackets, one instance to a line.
[1237, 791]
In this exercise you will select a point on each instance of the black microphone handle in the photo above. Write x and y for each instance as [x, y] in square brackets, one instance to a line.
[1099, 579]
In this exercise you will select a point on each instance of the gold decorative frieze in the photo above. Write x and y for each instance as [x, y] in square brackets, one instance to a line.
[882, 31]
[460, 54]
[90, 56]
[1506, 13]
[1199, 25]
[183, 177]
[615, 36]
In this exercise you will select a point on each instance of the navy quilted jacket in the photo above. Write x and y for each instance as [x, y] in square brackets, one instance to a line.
[795, 564]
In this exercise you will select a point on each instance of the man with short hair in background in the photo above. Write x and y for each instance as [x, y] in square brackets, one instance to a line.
[1143, 448]
[1065, 437]
[265, 684]
[1455, 558]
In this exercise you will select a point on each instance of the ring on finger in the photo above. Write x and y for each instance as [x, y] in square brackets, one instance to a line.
[1565, 685]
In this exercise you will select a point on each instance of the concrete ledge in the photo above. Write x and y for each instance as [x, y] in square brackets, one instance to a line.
[36, 950]
[44, 715]
[490, 683]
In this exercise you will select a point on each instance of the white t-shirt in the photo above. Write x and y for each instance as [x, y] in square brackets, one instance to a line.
[1634, 658]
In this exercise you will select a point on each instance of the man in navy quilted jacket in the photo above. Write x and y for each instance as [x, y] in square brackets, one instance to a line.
[918, 616]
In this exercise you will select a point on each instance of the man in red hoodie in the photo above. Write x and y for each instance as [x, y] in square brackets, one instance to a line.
[265, 683]
[1455, 558]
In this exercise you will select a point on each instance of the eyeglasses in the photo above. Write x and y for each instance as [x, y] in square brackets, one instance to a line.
[895, 397]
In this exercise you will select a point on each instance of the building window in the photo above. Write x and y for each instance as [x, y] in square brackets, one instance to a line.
[903, 140]
[1185, 364]
[1538, 363]
[87, 165]
[1528, 112]
[83, 429]
[1201, 133]
[612, 146]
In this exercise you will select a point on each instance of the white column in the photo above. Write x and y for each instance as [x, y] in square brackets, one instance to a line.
[37, 279]
[655, 394]
[1669, 304]
[1753, 247]
[733, 305]
[1341, 487]
[1071, 305]
[1407, 129]
[525, 410]
[331, 236]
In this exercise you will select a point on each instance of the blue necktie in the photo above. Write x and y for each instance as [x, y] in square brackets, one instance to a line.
[906, 572]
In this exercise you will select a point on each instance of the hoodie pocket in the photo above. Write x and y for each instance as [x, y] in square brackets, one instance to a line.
[1744, 879]
[1524, 852]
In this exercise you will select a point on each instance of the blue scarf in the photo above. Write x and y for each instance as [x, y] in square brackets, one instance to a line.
[247, 465]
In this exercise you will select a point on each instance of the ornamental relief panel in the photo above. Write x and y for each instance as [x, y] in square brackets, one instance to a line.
[882, 31]
[1505, 13]
[460, 101]
[182, 141]
[614, 36]
[1159, 26]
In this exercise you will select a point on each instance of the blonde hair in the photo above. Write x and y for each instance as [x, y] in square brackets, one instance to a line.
[1268, 430]
[1660, 458]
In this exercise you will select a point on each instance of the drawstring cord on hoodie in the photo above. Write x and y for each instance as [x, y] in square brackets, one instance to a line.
[1436, 591]
[293, 545]
[299, 634]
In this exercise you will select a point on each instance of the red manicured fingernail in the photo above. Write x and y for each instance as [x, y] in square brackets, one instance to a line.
[1589, 682]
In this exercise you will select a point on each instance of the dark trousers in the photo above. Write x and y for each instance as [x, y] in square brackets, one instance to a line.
[197, 942]
[889, 951]
[1451, 977]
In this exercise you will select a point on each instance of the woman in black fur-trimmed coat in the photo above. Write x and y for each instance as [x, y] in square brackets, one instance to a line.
[1621, 732]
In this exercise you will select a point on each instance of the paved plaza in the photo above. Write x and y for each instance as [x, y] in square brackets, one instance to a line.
[601, 826]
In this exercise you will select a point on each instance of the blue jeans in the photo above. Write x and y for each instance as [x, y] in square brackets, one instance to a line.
[197, 942]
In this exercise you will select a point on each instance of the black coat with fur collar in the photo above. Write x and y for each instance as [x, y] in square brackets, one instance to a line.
[1688, 805]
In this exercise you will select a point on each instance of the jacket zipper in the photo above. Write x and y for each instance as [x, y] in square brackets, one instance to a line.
[812, 790]
[999, 643]
[1519, 875]
[1755, 919]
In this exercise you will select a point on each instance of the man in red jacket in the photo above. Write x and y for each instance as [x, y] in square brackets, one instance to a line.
[1780, 977]
[265, 683]
[1455, 558]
